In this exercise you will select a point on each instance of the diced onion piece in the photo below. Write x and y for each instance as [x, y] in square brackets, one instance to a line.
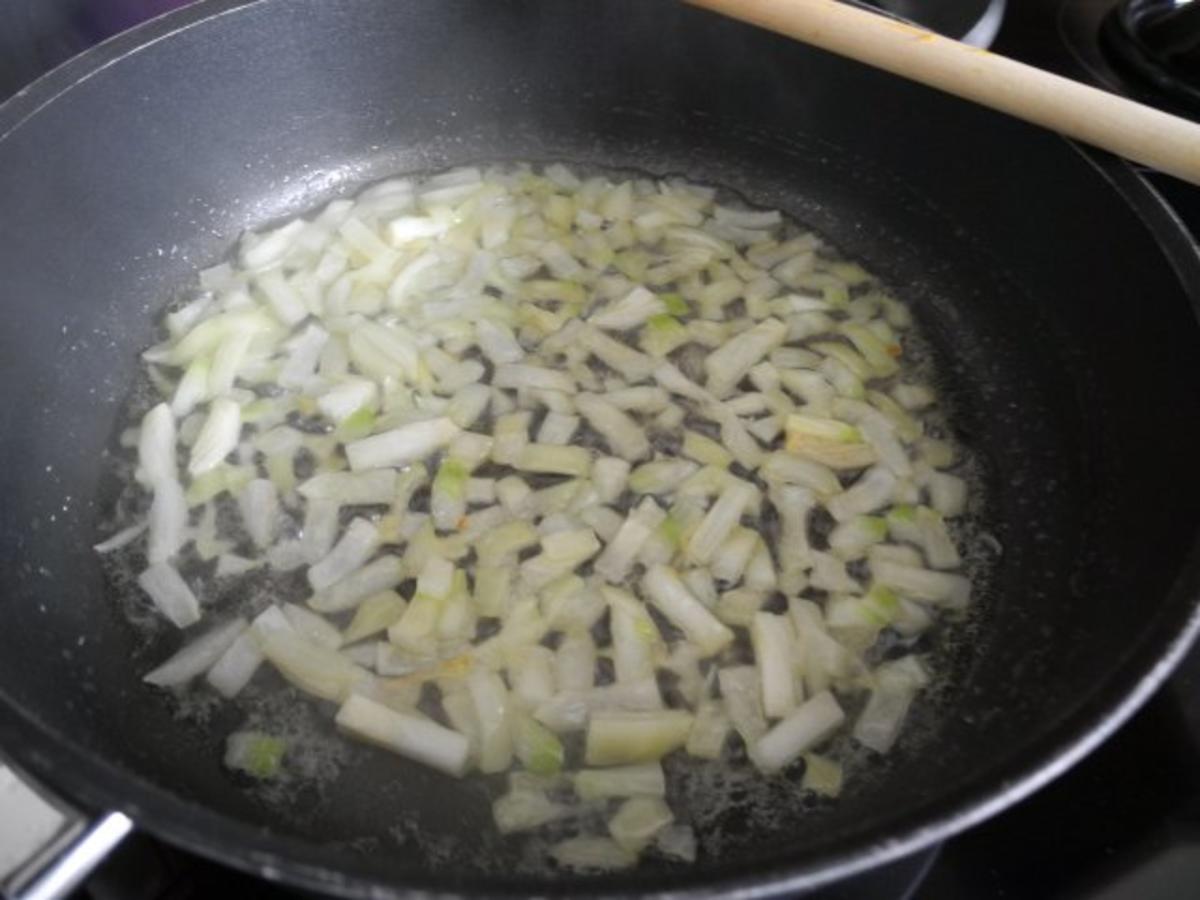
[357, 545]
[304, 351]
[821, 775]
[729, 364]
[896, 685]
[312, 627]
[410, 736]
[342, 401]
[913, 396]
[381, 574]
[610, 475]
[660, 476]
[636, 640]
[575, 662]
[869, 493]
[705, 450]
[122, 538]
[528, 376]
[621, 432]
[721, 519]
[941, 588]
[254, 753]
[259, 505]
[947, 494]
[621, 738]
[526, 810]
[640, 780]
[881, 436]
[809, 725]
[829, 442]
[638, 821]
[503, 543]
[571, 710]
[156, 446]
[614, 563]
[197, 656]
[851, 538]
[218, 436]
[171, 594]
[553, 460]
[630, 312]
[561, 553]
[490, 697]
[732, 558]
[672, 598]
[710, 730]
[376, 613]
[448, 496]
[498, 342]
[773, 649]
[227, 362]
[236, 666]
[741, 690]
[401, 446]
[314, 669]
[925, 527]
[366, 488]
[618, 356]
[167, 522]
[537, 748]
[677, 842]
[532, 673]
[320, 529]
[469, 404]
[510, 437]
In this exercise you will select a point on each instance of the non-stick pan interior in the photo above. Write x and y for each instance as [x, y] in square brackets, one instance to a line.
[1063, 332]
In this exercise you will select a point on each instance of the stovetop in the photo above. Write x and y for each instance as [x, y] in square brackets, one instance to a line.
[1122, 825]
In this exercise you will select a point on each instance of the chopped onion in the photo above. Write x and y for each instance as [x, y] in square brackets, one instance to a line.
[357, 545]
[167, 521]
[528, 393]
[259, 505]
[401, 446]
[773, 648]
[197, 656]
[171, 594]
[810, 724]
[720, 521]
[638, 821]
[614, 563]
[640, 780]
[382, 574]
[218, 437]
[621, 738]
[156, 446]
[416, 738]
[121, 538]
[677, 603]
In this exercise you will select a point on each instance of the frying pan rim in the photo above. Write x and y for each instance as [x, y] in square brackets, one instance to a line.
[95, 784]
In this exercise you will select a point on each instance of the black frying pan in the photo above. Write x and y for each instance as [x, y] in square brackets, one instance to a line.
[1056, 288]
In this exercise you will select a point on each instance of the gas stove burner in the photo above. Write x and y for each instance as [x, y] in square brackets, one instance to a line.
[1157, 42]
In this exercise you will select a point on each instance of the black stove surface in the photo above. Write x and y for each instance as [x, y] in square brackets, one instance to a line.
[1122, 825]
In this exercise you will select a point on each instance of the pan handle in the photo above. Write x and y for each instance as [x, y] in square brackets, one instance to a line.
[52, 847]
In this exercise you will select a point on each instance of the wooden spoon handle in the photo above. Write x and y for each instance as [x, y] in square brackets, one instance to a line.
[1140, 133]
